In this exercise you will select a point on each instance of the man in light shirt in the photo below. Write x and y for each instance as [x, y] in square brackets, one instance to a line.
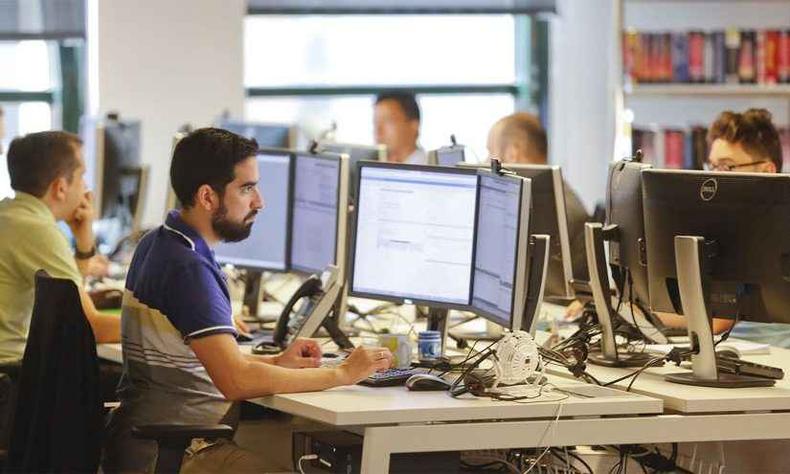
[396, 120]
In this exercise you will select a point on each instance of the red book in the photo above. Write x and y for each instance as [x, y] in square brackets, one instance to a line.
[696, 56]
[674, 145]
[746, 58]
[771, 57]
[783, 62]
[760, 57]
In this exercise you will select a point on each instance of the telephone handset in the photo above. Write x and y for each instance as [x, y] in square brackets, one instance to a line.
[317, 296]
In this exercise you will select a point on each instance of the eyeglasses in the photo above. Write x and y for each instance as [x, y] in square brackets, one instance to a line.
[724, 166]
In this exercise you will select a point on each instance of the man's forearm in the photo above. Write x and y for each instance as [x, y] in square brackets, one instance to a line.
[260, 379]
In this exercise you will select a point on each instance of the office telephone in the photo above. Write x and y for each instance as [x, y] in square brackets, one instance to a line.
[318, 296]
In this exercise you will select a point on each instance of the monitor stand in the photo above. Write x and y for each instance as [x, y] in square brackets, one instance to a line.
[690, 266]
[594, 236]
[539, 248]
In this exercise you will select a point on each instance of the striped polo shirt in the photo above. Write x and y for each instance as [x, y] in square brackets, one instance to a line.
[175, 292]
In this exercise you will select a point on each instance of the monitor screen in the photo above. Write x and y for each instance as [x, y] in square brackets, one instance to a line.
[314, 227]
[496, 248]
[450, 156]
[548, 216]
[414, 233]
[267, 246]
[269, 135]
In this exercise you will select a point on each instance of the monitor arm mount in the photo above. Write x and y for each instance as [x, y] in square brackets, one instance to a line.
[595, 234]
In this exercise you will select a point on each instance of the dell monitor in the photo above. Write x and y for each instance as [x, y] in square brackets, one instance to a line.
[266, 248]
[717, 246]
[320, 211]
[268, 135]
[499, 274]
[414, 236]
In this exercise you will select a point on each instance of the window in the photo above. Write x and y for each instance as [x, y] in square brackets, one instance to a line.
[315, 70]
[26, 86]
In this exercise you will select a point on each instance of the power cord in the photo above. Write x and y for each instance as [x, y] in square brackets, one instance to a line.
[306, 457]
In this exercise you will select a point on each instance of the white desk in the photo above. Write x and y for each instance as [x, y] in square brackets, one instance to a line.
[694, 400]
[394, 420]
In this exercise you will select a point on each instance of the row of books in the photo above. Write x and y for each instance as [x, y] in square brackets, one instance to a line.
[719, 57]
[684, 148]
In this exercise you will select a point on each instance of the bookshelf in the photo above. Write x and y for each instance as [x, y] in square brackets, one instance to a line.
[654, 103]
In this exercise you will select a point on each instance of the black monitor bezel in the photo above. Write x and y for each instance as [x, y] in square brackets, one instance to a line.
[321, 156]
[353, 254]
[482, 312]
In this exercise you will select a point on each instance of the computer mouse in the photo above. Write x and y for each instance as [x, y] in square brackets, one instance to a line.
[425, 382]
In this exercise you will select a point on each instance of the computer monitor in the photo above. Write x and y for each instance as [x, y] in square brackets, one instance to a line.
[414, 238]
[548, 217]
[269, 135]
[743, 218]
[627, 254]
[447, 156]
[717, 246]
[320, 211]
[121, 151]
[267, 246]
[499, 278]
[356, 153]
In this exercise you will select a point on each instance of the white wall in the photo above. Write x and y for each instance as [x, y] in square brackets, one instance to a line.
[583, 90]
[166, 63]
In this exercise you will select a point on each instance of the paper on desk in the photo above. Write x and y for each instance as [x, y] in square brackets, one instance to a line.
[743, 347]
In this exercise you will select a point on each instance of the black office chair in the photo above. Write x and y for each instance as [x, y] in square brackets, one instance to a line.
[58, 416]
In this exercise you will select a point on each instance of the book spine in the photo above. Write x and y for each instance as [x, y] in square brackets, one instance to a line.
[707, 58]
[680, 58]
[719, 57]
[771, 58]
[746, 58]
[783, 65]
[733, 44]
[761, 57]
[696, 42]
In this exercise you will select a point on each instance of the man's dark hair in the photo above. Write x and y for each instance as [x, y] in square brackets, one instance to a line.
[207, 156]
[753, 131]
[37, 159]
[406, 100]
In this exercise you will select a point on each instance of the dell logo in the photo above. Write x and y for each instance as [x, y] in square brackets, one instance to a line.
[708, 189]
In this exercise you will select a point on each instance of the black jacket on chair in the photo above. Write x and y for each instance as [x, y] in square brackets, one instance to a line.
[58, 422]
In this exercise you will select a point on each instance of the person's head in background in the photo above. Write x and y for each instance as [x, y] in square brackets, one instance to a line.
[518, 138]
[214, 174]
[396, 122]
[746, 142]
[49, 166]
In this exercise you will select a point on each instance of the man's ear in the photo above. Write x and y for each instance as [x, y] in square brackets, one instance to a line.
[58, 189]
[206, 198]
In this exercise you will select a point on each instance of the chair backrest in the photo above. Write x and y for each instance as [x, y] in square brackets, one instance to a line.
[57, 424]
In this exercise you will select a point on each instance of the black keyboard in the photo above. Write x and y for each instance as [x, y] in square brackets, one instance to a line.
[390, 377]
[731, 365]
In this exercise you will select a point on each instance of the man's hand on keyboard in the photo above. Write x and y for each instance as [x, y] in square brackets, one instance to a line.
[300, 354]
[363, 362]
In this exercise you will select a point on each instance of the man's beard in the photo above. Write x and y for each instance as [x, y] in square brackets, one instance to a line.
[228, 230]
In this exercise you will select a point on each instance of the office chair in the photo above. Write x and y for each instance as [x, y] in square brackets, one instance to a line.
[58, 417]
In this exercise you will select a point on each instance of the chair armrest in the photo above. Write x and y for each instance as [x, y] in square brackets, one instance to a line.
[180, 434]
